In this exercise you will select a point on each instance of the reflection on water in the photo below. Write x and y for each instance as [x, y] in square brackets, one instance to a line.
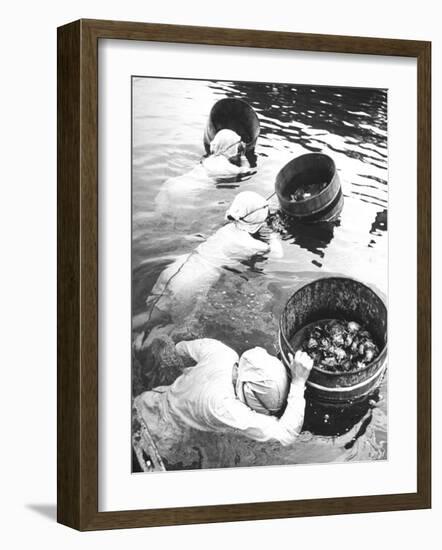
[312, 237]
[305, 115]
[243, 307]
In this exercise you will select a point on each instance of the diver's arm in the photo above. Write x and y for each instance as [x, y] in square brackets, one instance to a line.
[272, 242]
[276, 250]
[245, 164]
[262, 428]
[202, 348]
[259, 427]
[289, 426]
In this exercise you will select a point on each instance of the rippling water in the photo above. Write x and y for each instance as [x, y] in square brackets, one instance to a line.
[243, 308]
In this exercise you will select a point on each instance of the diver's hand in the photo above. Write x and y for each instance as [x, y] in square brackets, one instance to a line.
[300, 366]
[276, 250]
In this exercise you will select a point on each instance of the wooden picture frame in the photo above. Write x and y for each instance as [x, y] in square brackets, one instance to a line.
[77, 128]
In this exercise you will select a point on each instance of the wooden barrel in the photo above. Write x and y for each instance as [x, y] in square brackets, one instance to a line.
[345, 299]
[233, 114]
[305, 172]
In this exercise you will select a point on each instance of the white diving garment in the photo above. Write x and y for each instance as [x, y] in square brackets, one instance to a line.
[204, 398]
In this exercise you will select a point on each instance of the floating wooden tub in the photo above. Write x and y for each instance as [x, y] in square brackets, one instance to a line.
[337, 298]
[233, 114]
[304, 172]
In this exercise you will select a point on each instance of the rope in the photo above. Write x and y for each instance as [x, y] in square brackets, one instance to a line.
[154, 303]
[253, 211]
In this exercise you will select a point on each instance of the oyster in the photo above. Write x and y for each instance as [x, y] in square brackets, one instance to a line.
[339, 346]
[298, 195]
[346, 366]
[301, 193]
[338, 339]
[370, 345]
[353, 327]
[354, 346]
[324, 344]
[317, 333]
[312, 343]
[329, 362]
[340, 354]
[348, 340]
[331, 349]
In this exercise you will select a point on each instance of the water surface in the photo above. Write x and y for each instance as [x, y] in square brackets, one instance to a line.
[243, 308]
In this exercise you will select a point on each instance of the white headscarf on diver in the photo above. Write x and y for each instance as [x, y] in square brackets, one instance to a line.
[249, 211]
[262, 382]
[226, 143]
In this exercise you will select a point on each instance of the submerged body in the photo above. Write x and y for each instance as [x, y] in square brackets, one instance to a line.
[177, 196]
[226, 161]
[188, 279]
[209, 397]
[190, 276]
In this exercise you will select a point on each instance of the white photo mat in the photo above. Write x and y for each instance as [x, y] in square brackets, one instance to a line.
[119, 489]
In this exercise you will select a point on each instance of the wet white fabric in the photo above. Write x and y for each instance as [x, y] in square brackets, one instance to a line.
[204, 398]
[262, 382]
[226, 143]
[249, 210]
[191, 275]
[178, 195]
[219, 167]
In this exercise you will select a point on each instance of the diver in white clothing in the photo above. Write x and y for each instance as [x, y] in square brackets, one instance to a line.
[253, 395]
[190, 276]
[226, 160]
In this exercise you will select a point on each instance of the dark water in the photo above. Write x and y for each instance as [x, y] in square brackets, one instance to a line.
[243, 307]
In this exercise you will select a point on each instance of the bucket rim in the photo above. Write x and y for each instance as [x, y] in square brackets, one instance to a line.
[326, 188]
[318, 210]
[236, 100]
[382, 354]
[304, 155]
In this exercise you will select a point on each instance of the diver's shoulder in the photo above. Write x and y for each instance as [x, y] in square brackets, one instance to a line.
[227, 230]
[232, 228]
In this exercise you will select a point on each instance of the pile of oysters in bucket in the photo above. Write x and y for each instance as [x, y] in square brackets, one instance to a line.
[339, 346]
[303, 193]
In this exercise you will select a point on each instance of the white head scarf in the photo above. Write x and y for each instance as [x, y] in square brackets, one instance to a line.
[226, 143]
[249, 211]
[263, 382]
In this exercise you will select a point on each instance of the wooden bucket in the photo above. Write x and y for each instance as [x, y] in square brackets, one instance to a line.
[345, 299]
[233, 114]
[303, 172]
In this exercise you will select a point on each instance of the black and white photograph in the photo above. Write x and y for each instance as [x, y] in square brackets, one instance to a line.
[259, 274]
[220, 217]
